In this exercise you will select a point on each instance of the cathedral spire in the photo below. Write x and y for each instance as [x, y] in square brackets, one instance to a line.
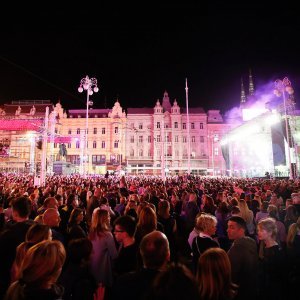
[251, 85]
[243, 94]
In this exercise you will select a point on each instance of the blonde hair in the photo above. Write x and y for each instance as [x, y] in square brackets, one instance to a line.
[205, 222]
[35, 234]
[293, 230]
[245, 212]
[100, 222]
[214, 275]
[268, 224]
[41, 267]
[147, 219]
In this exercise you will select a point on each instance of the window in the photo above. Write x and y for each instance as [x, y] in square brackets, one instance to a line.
[183, 125]
[132, 139]
[56, 130]
[184, 139]
[95, 130]
[192, 125]
[116, 129]
[168, 139]
[131, 152]
[77, 144]
[140, 139]
[216, 151]
[103, 144]
[158, 125]
[201, 139]
[149, 139]
[158, 138]
[140, 126]
[201, 125]
[175, 124]
[116, 144]
[193, 139]
[70, 131]
[149, 152]
[103, 130]
[78, 130]
[176, 138]
[55, 145]
[69, 145]
[94, 144]
[141, 152]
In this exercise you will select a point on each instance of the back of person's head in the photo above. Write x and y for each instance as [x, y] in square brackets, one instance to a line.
[127, 223]
[100, 221]
[79, 250]
[235, 210]
[37, 233]
[51, 217]
[294, 229]
[269, 225]
[50, 202]
[21, 206]
[264, 206]
[163, 208]
[273, 211]
[41, 267]
[74, 215]
[214, 275]
[147, 218]
[154, 249]
[175, 283]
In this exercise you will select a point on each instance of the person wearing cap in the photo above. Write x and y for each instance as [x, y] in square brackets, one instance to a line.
[244, 259]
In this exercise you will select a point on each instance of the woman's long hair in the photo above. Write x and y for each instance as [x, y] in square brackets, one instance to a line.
[293, 230]
[40, 269]
[147, 220]
[100, 223]
[214, 275]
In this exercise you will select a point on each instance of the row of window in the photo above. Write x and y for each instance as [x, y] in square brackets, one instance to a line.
[116, 129]
[183, 125]
[168, 139]
[77, 145]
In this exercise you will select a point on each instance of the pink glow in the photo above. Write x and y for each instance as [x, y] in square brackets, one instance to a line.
[20, 125]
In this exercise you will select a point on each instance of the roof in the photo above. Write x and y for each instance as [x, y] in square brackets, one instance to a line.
[40, 109]
[141, 110]
[21, 125]
[193, 110]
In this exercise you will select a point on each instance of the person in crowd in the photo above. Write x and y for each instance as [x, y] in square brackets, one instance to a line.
[189, 212]
[169, 225]
[272, 263]
[35, 234]
[293, 256]
[208, 205]
[39, 272]
[207, 225]
[147, 222]
[11, 237]
[244, 259]
[74, 228]
[247, 215]
[104, 249]
[51, 217]
[281, 232]
[291, 216]
[263, 213]
[175, 283]
[76, 278]
[124, 231]
[214, 276]
[65, 212]
[222, 215]
[155, 253]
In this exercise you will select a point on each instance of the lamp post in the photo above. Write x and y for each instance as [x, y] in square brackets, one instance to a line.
[90, 86]
[282, 86]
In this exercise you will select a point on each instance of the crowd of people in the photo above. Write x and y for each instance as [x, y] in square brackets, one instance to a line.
[141, 237]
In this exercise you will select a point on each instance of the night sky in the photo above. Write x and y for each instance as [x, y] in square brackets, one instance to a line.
[137, 53]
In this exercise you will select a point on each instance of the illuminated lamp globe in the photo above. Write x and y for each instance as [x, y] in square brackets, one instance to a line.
[80, 89]
[289, 89]
[90, 92]
[96, 89]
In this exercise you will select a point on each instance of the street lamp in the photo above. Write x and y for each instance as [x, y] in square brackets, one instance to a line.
[90, 86]
[282, 86]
